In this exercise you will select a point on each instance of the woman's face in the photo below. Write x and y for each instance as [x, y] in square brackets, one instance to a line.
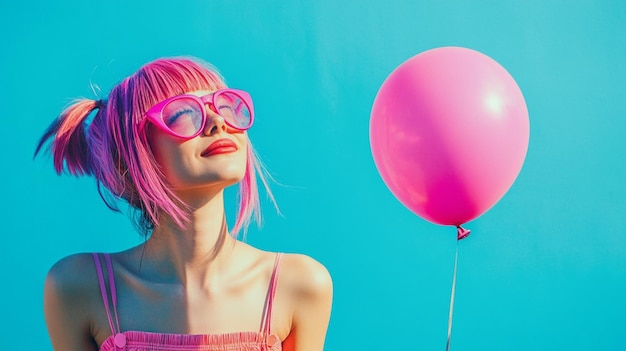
[216, 158]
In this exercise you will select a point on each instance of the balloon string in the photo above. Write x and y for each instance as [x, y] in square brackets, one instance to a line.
[461, 234]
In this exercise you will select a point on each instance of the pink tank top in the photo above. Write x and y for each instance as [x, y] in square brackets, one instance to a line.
[148, 341]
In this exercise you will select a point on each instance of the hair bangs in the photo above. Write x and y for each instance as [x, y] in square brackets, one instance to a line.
[164, 78]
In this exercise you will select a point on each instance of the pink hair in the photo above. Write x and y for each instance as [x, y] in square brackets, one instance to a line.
[111, 149]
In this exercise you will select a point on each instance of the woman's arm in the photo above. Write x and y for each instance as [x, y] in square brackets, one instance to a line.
[67, 304]
[311, 289]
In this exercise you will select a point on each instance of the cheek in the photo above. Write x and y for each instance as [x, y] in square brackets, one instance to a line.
[157, 147]
[165, 153]
[244, 150]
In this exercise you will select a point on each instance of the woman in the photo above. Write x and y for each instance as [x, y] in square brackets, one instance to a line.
[168, 140]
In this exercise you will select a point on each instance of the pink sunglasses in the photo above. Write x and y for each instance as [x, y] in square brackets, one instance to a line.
[184, 116]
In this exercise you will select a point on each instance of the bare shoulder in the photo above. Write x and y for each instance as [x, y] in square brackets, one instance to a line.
[69, 296]
[72, 283]
[72, 274]
[305, 276]
[309, 287]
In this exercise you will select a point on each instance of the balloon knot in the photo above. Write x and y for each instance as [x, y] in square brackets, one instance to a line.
[462, 233]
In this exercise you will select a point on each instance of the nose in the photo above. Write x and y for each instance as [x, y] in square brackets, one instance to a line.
[214, 122]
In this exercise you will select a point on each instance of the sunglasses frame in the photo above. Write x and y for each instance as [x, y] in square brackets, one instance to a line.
[155, 113]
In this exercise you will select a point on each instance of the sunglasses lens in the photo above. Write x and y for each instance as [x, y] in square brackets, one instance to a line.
[234, 109]
[183, 116]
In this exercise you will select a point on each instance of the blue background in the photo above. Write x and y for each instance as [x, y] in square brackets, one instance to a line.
[545, 269]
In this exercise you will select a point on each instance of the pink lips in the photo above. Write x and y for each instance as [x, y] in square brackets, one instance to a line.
[220, 146]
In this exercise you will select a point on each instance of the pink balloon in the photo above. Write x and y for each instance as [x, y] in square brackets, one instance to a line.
[449, 133]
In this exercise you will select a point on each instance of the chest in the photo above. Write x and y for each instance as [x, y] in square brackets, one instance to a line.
[175, 309]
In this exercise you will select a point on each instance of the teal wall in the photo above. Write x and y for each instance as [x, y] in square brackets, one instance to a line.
[545, 269]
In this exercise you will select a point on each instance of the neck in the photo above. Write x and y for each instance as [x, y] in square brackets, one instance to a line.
[197, 252]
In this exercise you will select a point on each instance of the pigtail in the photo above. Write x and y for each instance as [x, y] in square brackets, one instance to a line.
[68, 139]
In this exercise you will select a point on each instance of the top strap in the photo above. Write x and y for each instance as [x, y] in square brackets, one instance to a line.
[267, 312]
[104, 292]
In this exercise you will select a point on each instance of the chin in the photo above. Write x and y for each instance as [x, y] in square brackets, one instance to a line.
[223, 177]
[232, 172]
[232, 179]
[218, 173]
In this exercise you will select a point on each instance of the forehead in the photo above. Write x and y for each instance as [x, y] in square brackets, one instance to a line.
[201, 92]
